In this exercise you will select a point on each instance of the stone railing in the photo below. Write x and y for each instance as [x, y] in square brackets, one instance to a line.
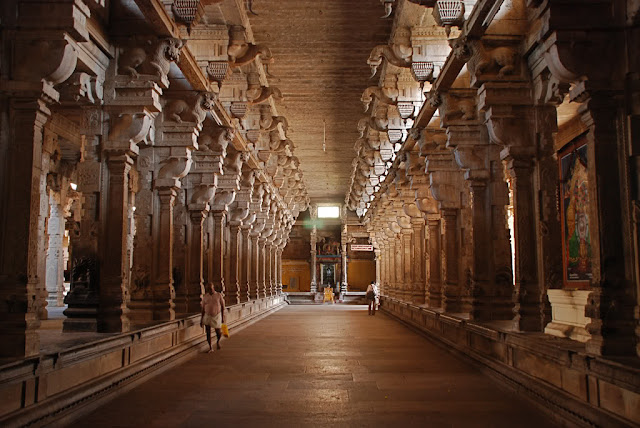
[556, 374]
[59, 387]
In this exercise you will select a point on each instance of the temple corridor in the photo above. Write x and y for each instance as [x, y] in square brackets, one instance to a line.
[321, 366]
[472, 165]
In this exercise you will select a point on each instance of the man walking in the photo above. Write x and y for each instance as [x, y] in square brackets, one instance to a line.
[212, 314]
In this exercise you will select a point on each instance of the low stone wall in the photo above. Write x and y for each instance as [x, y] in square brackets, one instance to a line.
[556, 374]
[54, 389]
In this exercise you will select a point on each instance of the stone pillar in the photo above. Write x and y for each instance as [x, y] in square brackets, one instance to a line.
[217, 271]
[207, 268]
[254, 278]
[233, 287]
[387, 267]
[393, 289]
[344, 283]
[529, 314]
[83, 296]
[418, 263]
[396, 266]
[279, 271]
[245, 264]
[611, 307]
[112, 310]
[433, 295]
[21, 260]
[262, 259]
[451, 283]
[195, 286]
[407, 263]
[314, 280]
[55, 260]
[379, 267]
[268, 268]
[163, 291]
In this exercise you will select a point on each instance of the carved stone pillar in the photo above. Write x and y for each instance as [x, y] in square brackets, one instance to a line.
[529, 313]
[384, 265]
[195, 286]
[279, 271]
[433, 295]
[217, 273]
[418, 289]
[451, 282]
[268, 268]
[510, 122]
[245, 264]
[254, 276]
[314, 280]
[114, 287]
[393, 266]
[82, 298]
[207, 268]
[233, 287]
[21, 261]
[262, 264]
[406, 250]
[610, 305]
[378, 258]
[55, 261]
[163, 291]
[343, 257]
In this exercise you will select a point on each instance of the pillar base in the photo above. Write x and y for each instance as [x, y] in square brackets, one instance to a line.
[567, 308]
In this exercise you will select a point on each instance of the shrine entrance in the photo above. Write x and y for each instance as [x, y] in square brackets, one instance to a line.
[328, 274]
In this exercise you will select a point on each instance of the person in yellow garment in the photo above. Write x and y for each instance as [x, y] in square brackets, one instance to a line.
[212, 315]
[371, 298]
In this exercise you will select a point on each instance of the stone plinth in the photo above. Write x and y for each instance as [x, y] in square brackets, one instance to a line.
[569, 320]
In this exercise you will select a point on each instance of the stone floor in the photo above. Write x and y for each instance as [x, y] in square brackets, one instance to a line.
[330, 365]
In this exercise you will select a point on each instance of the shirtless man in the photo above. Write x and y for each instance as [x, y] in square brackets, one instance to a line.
[212, 314]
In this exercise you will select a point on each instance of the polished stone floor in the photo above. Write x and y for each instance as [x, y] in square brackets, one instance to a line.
[330, 365]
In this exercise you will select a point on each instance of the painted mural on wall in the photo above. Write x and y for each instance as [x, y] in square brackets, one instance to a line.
[574, 206]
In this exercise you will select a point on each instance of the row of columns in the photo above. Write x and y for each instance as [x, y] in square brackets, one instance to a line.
[495, 153]
[166, 202]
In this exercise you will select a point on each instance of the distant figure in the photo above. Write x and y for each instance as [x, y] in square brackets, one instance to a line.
[212, 314]
[371, 298]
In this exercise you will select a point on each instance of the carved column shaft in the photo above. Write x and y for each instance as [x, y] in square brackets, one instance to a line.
[268, 269]
[343, 258]
[245, 264]
[529, 315]
[254, 278]
[484, 301]
[407, 264]
[612, 331]
[393, 282]
[82, 298]
[434, 281]
[314, 280]
[278, 271]
[19, 280]
[418, 262]
[378, 255]
[163, 291]
[207, 268]
[217, 272]
[233, 287]
[195, 286]
[113, 311]
[262, 259]
[54, 256]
